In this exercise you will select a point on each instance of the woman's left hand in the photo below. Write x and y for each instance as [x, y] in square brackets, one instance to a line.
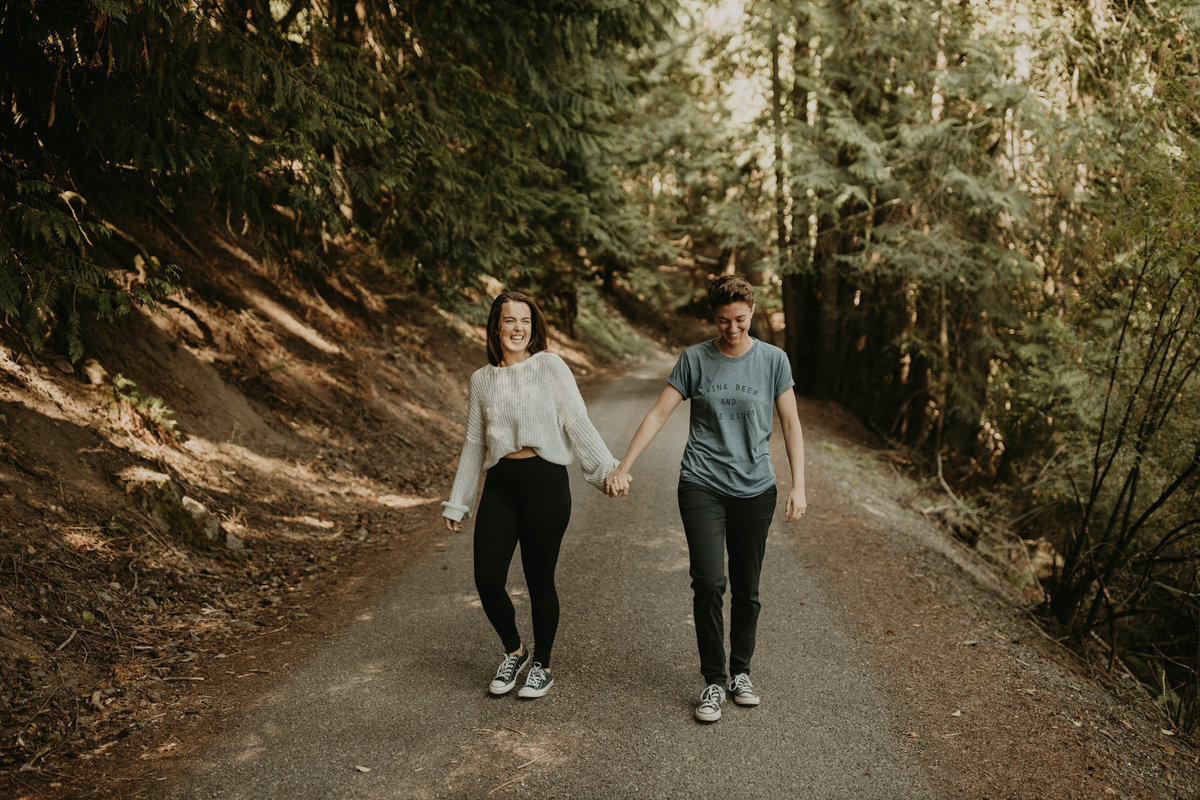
[617, 483]
[796, 505]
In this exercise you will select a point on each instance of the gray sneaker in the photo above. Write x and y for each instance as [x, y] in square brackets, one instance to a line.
[742, 690]
[709, 707]
[537, 682]
[506, 674]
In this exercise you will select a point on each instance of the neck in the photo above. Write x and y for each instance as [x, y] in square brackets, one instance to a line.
[511, 359]
[731, 351]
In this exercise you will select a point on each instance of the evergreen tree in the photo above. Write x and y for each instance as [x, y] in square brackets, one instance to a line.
[892, 220]
[459, 138]
[1099, 395]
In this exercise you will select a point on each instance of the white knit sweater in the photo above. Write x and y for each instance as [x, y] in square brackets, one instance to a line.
[532, 404]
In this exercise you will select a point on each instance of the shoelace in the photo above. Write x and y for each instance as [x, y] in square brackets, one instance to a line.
[741, 683]
[507, 667]
[711, 696]
[537, 676]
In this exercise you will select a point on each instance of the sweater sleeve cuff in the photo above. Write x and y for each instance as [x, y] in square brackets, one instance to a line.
[596, 477]
[454, 511]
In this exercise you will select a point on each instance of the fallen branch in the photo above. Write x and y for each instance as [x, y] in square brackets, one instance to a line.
[539, 758]
[68, 641]
[50, 748]
[514, 780]
[501, 786]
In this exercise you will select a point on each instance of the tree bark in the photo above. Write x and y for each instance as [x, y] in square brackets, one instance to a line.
[800, 298]
[781, 232]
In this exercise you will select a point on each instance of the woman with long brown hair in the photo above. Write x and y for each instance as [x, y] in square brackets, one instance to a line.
[525, 422]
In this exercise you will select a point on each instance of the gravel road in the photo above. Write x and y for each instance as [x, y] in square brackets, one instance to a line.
[396, 706]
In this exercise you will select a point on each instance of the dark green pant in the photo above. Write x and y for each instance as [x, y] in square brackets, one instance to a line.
[714, 523]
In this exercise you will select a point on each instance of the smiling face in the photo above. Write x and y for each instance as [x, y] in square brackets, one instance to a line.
[733, 322]
[515, 330]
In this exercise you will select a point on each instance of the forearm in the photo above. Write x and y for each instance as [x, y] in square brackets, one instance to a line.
[593, 453]
[794, 444]
[651, 425]
[466, 481]
[793, 437]
[617, 482]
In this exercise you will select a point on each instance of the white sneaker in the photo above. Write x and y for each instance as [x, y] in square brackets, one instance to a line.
[742, 690]
[709, 708]
[507, 672]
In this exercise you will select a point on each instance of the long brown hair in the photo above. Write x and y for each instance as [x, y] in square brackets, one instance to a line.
[541, 334]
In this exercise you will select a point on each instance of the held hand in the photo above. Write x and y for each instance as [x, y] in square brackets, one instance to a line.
[796, 505]
[453, 524]
[617, 483]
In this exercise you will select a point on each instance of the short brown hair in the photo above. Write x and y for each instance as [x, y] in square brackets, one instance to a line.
[728, 289]
[541, 334]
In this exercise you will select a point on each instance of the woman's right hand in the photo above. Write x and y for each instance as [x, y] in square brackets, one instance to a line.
[453, 524]
[616, 484]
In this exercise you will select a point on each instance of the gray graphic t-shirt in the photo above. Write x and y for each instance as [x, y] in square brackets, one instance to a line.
[733, 401]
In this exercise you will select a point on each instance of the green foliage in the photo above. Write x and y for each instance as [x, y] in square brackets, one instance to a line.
[473, 312]
[982, 217]
[1126, 414]
[502, 123]
[650, 289]
[1098, 401]
[151, 411]
[45, 271]
[609, 332]
[143, 104]
[893, 220]
[459, 138]
[688, 167]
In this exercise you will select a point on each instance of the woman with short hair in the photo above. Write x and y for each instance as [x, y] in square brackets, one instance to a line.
[726, 481]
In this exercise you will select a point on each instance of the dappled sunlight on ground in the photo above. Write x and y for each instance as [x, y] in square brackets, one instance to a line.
[308, 434]
[279, 315]
[364, 675]
[327, 487]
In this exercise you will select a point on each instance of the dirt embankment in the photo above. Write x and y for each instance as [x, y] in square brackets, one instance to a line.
[208, 494]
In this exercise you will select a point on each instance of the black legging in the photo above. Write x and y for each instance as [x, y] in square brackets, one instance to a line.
[526, 500]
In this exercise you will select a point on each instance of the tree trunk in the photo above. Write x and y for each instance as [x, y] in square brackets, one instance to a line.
[828, 319]
[781, 232]
[937, 108]
[800, 296]
[802, 286]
